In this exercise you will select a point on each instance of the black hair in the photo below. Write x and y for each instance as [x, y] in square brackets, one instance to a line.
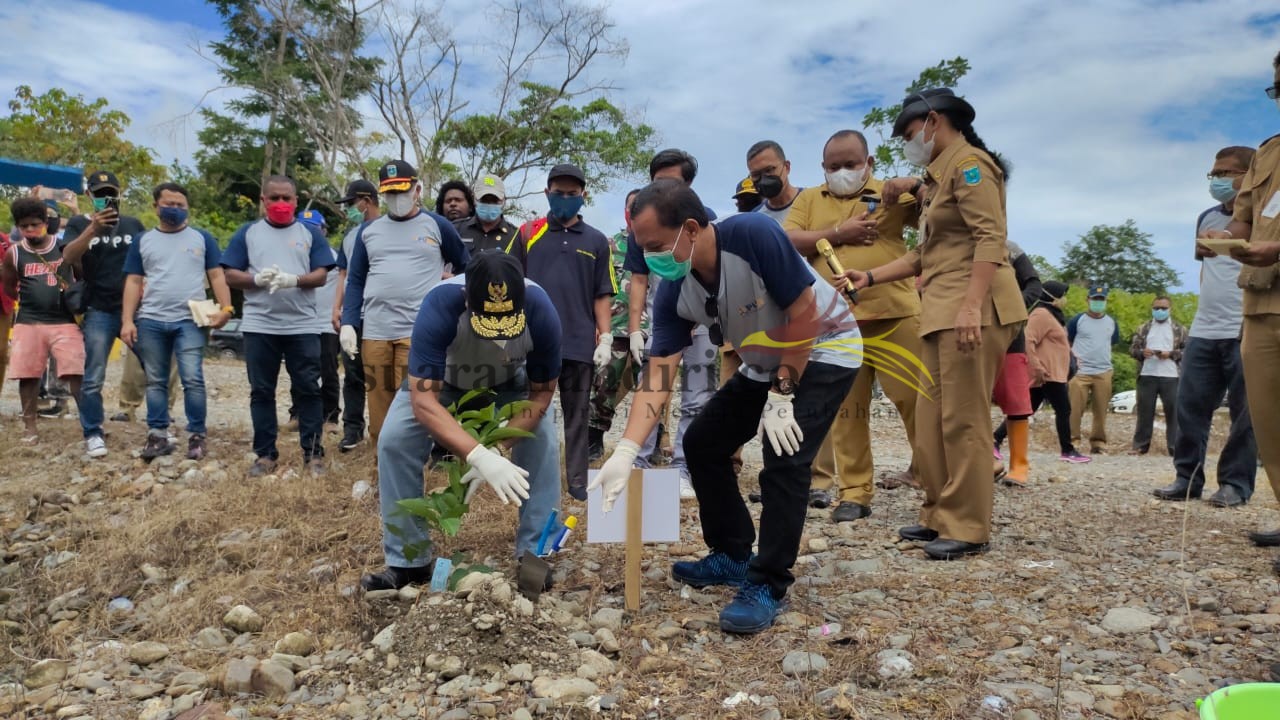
[672, 157]
[279, 179]
[1276, 62]
[169, 187]
[633, 193]
[763, 145]
[971, 137]
[1239, 153]
[28, 207]
[455, 185]
[673, 201]
[1161, 297]
[842, 134]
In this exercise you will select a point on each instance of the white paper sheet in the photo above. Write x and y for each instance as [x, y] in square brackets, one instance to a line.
[661, 522]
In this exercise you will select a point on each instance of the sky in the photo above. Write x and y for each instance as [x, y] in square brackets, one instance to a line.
[1108, 110]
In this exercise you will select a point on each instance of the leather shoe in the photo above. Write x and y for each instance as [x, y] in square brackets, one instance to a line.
[943, 549]
[1175, 492]
[1265, 538]
[820, 499]
[850, 511]
[394, 578]
[1226, 497]
[917, 533]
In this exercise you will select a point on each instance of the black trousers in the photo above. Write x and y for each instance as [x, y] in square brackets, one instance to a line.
[262, 355]
[727, 421]
[575, 405]
[1211, 369]
[1060, 400]
[1149, 388]
[353, 390]
[330, 390]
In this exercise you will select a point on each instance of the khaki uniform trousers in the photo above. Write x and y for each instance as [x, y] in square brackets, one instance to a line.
[386, 363]
[845, 457]
[1260, 353]
[133, 383]
[1080, 388]
[953, 433]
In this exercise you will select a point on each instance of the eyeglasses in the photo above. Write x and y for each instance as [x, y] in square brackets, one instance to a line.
[1224, 173]
[715, 333]
[1273, 91]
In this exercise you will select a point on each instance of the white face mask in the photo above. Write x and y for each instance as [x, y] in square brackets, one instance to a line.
[917, 151]
[845, 182]
[401, 204]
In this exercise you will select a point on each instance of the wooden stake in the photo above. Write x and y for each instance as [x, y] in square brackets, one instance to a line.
[635, 546]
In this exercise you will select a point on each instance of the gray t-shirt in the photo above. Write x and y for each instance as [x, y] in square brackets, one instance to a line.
[393, 265]
[780, 215]
[296, 249]
[1093, 338]
[175, 265]
[325, 295]
[1219, 313]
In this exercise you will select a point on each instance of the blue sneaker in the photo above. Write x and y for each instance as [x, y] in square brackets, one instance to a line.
[752, 610]
[714, 569]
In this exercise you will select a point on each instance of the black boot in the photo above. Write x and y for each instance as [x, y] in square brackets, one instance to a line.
[595, 444]
[394, 578]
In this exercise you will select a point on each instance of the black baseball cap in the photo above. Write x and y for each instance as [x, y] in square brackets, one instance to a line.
[568, 170]
[396, 176]
[102, 179]
[495, 295]
[358, 189]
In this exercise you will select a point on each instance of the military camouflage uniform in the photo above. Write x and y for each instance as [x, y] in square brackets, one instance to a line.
[608, 381]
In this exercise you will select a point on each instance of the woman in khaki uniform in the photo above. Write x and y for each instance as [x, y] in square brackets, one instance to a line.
[971, 311]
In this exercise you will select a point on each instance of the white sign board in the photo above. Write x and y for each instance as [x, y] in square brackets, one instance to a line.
[661, 511]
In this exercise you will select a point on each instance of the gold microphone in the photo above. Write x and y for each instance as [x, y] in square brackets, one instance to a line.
[833, 262]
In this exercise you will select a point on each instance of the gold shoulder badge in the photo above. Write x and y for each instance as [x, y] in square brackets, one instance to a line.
[498, 301]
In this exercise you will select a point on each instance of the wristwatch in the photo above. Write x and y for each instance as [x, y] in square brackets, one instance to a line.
[783, 386]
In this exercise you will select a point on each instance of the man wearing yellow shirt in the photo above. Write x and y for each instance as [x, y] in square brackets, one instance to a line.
[848, 211]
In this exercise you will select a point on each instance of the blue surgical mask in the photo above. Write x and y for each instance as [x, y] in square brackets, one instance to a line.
[1159, 315]
[664, 263]
[1222, 190]
[1097, 306]
[564, 207]
[172, 216]
[490, 212]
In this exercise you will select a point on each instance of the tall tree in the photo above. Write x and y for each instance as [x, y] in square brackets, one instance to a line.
[63, 129]
[300, 62]
[890, 160]
[1119, 256]
[547, 107]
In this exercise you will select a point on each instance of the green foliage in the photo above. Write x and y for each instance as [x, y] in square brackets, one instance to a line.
[441, 511]
[63, 129]
[545, 129]
[1119, 256]
[1130, 310]
[890, 161]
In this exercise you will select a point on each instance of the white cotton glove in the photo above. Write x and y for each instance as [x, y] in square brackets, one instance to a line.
[604, 352]
[264, 277]
[615, 472]
[506, 478]
[778, 424]
[282, 280]
[637, 346]
[347, 340]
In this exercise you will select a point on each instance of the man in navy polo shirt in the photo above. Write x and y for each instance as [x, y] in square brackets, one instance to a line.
[800, 350]
[488, 328]
[572, 261]
[278, 262]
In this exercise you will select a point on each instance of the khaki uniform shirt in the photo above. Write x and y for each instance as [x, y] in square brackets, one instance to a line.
[1259, 196]
[817, 209]
[964, 222]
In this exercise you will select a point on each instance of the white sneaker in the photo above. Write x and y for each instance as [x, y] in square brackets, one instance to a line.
[95, 446]
[686, 488]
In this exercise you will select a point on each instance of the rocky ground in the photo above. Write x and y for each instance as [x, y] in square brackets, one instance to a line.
[180, 589]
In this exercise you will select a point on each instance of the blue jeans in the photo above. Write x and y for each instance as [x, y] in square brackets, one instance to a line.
[301, 355]
[404, 446]
[1211, 368]
[100, 332]
[158, 344]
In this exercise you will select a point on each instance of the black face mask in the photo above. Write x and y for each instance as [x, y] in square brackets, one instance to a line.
[53, 224]
[769, 186]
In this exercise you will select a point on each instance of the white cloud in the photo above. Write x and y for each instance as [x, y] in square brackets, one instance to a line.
[1109, 110]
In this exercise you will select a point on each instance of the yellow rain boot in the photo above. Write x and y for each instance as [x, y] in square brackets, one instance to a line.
[1019, 468]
